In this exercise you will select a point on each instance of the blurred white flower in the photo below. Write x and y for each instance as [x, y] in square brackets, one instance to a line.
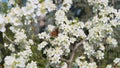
[89, 50]
[6, 45]
[99, 55]
[9, 61]
[11, 2]
[20, 62]
[11, 47]
[101, 47]
[43, 35]
[20, 36]
[64, 65]
[92, 65]
[33, 1]
[109, 66]
[116, 60]
[49, 5]
[2, 23]
[31, 65]
[42, 45]
[50, 28]
[60, 16]
[111, 41]
[31, 41]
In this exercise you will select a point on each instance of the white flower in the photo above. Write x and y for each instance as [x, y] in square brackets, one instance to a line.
[111, 41]
[50, 28]
[67, 1]
[82, 57]
[49, 5]
[72, 40]
[9, 61]
[31, 41]
[60, 16]
[18, 11]
[66, 7]
[81, 24]
[82, 34]
[31, 65]
[11, 1]
[104, 19]
[102, 47]
[55, 59]
[16, 21]
[11, 47]
[29, 8]
[20, 62]
[88, 49]
[116, 60]
[85, 64]
[43, 9]
[92, 65]
[114, 22]
[54, 54]
[64, 65]
[44, 35]
[12, 29]
[109, 66]
[99, 55]
[38, 13]
[33, 1]
[6, 45]
[20, 36]
[27, 47]
[25, 54]
[42, 45]
[66, 28]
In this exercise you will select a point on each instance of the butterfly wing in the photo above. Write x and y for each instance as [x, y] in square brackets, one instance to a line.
[54, 33]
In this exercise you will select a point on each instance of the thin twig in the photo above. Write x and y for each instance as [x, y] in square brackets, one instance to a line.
[73, 54]
[10, 40]
[64, 60]
[74, 50]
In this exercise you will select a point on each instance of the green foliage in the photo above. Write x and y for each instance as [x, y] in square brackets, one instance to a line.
[41, 1]
[4, 7]
[38, 57]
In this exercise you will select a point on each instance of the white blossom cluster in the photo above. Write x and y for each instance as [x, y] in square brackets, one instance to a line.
[115, 64]
[54, 54]
[15, 18]
[117, 61]
[17, 60]
[85, 64]
[20, 17]
[70, 32]
[100, 31]
[98, 2]
[21, 58]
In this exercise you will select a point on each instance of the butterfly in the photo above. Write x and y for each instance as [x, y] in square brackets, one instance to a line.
[54, 33]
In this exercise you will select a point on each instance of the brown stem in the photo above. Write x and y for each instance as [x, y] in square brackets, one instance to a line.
[72, 55]
[115, 65]
[10, 40]
[64, 60]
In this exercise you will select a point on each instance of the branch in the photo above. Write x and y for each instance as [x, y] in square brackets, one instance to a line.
[74, 50]
[64, 60]
[10, 40]
[73, 54]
